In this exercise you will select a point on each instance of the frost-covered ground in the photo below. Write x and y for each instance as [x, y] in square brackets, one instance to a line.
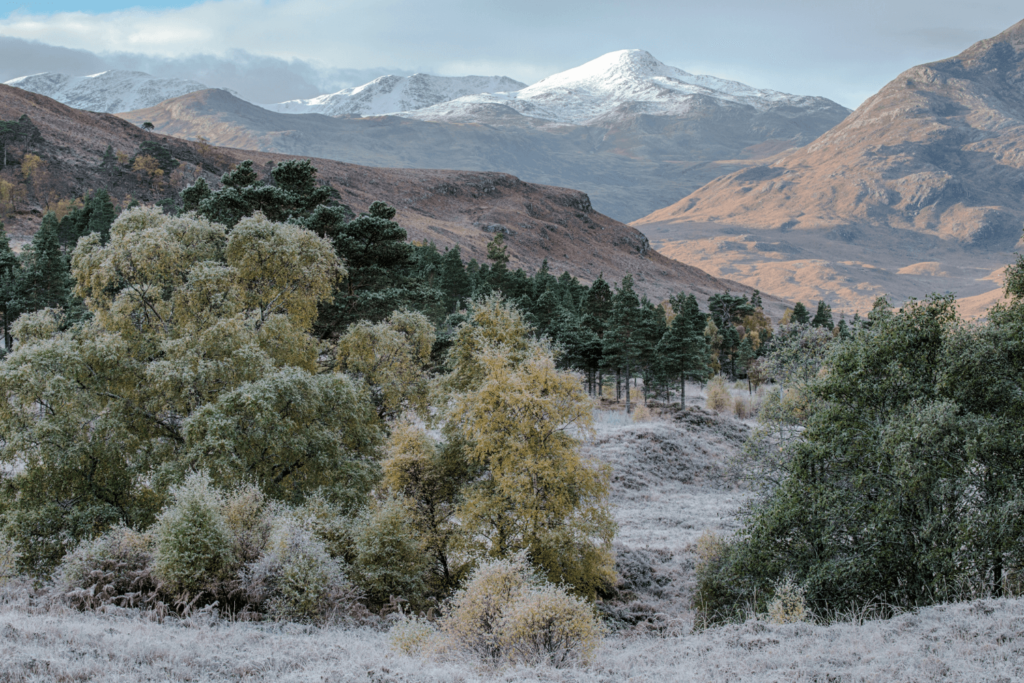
[671, 483]
[980, 641]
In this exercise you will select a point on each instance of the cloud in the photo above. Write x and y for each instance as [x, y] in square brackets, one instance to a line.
[840, 50]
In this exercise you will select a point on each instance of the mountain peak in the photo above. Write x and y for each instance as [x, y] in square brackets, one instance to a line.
[106, 91]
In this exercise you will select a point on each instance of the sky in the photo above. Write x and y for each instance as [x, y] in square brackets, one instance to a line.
[273, 50]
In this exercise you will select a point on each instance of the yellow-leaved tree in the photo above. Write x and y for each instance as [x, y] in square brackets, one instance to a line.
[198, 356]
[520, 422]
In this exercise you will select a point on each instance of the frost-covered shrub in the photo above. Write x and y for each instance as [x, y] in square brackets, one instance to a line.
[507, 614]
[414, 635]
[641, 413]
[330, 524]
[789, 605]
[389, 556]
[742, 408]
[473, 614]
[193, 544]
[714, 596]
[297, 580]
[718, 396]
[546, 625]
[250, 519]
[113, 568]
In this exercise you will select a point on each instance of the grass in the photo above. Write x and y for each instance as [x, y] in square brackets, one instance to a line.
[671, 483]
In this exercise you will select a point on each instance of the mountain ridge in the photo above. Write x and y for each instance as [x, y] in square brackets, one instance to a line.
[928, 170]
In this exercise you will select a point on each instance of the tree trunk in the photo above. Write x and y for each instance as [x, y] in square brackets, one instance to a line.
[682, 391]
[627, 389]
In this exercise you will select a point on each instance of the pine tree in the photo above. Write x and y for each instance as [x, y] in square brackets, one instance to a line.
[101, 214]
[454, 280]
[652, 328]
[622, 342]
[746, 355]
[45, 277]
[9, 269]
[800, 314]
[497, 253]
[823, 316]
[683, 347]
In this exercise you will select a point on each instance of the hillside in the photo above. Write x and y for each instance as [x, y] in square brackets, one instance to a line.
[446, 207]
[918, 190]
[649, 135]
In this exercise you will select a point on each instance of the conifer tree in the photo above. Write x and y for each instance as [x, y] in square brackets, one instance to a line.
[9, 268]
[823, 316]
[44, 280]
[800, 314]
[454, 280]
[622, 342]
[684, 347]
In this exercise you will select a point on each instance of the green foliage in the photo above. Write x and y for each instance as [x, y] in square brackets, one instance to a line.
[800, 314]
[44, 279]
[192, 540]
[296, 579]
[429, 477]
[900, 486]
[389, 554]
[10, 267]
[683, 349]
[823, 316]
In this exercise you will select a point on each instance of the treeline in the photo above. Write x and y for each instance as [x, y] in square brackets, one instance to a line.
[610, 334]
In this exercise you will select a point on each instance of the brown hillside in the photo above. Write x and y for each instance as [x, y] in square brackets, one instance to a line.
[629, 164]
[920, 189]
[446, 207]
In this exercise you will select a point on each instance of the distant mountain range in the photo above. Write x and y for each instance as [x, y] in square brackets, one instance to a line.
[392, 94]
[633, 133]
[445, 207]
[920, 190]
[109, 91]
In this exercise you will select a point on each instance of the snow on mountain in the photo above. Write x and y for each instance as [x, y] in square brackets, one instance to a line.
[390, 94]
[630, 80]
[108, 91]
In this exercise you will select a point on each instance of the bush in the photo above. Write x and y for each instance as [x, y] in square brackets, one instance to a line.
[111, 569]
[389, 557]
[250, 521]
[641, 413]
[718, 396]
[297, 580]
[508, 614]
[789, 605]
[741, 407]
[548, 626]
[193, 541]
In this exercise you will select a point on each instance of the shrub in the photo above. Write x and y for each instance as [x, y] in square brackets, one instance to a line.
[789, 605]
[250, 521]
[389, 557]
[507, 614]
[741, 407]
[193, 541]
[413, 635]
[718, 396]
[548, 626]
[111, 569]
[297, 580]
[714, 596]
[641, 413]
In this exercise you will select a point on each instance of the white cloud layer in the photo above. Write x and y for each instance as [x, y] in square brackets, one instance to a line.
[841, 50]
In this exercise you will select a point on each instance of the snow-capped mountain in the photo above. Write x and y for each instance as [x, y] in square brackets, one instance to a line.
[630, 81]
[108, 91]
[390, 94]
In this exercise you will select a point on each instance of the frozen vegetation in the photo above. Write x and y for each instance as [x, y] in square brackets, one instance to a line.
[671, 483]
